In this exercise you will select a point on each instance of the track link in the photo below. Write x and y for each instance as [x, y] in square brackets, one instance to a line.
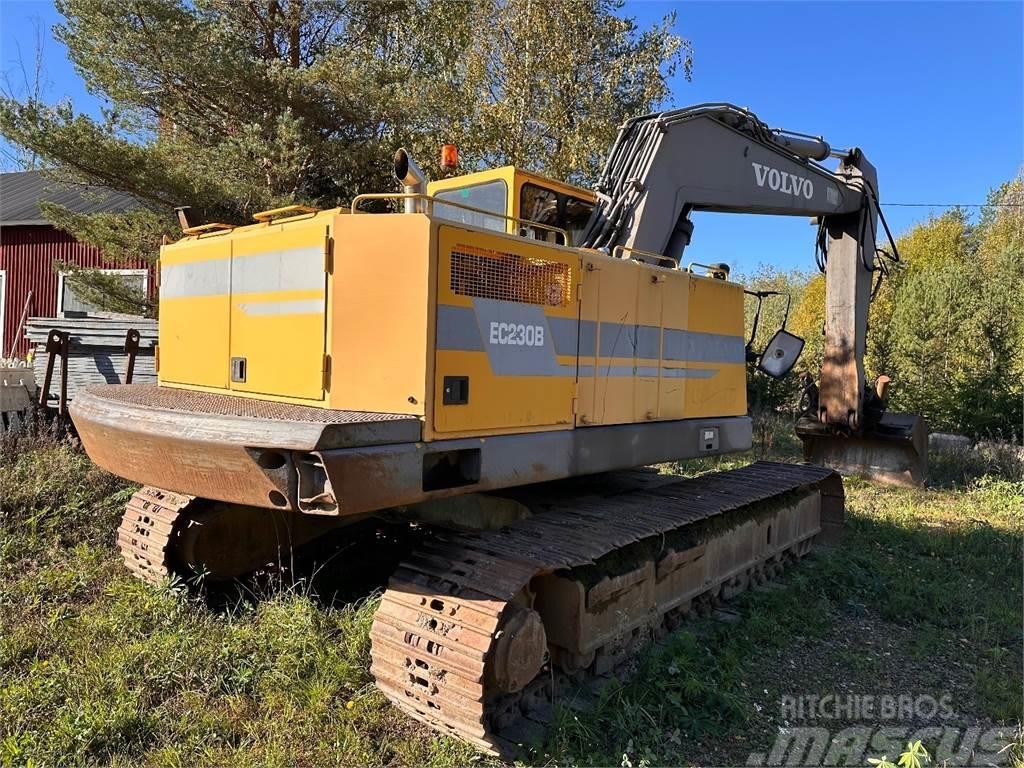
[452, 640]
[151, 519]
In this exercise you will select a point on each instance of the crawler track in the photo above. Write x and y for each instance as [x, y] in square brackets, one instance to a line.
[151, 520]
[478, 633]
[166, 534]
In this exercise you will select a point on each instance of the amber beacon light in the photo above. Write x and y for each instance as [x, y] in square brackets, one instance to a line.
[449, 157]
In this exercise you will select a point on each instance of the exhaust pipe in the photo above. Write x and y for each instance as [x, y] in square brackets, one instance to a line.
[413, 180]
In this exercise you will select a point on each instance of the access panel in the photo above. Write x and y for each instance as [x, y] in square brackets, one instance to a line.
[278, 310]
[195, 307]
[506, 333]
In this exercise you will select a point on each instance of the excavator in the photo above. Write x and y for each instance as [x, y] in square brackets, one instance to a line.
[491, 359]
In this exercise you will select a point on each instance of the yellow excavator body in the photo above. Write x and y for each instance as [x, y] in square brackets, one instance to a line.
[468, 327]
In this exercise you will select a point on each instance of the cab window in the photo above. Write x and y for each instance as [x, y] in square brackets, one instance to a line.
[490, 196]
[555, 209]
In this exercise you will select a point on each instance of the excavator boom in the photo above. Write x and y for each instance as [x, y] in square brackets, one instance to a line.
[718, 157]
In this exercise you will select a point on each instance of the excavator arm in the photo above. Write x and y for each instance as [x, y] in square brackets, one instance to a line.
[719, 157]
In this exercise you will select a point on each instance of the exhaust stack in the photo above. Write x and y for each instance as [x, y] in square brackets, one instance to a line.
[413, 180]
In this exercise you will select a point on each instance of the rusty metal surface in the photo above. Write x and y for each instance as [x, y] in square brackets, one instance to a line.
[368, 478]
[131, 348]
[216, 446]
[166, 534]
[144, 536]
[242, 420]
[57, 344]
[173, 399]
[894, 452]
[439, 639]
[180, 456]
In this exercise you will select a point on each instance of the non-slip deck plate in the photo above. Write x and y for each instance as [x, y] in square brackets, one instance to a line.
[172, 398]
[236, 417]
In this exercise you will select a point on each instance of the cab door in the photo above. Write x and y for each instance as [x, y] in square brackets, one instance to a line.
[279, 309]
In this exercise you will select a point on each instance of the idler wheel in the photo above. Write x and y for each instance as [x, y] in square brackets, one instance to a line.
[520, 649]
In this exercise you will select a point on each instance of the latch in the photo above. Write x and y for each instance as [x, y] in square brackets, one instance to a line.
[456, 390]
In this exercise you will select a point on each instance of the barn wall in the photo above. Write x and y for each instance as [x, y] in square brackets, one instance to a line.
[27, 255]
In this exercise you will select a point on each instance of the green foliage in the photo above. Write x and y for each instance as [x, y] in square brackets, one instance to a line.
[915, 756]
[232, 108]
[947, 326]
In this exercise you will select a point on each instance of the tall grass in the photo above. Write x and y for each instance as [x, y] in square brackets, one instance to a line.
[96, 667]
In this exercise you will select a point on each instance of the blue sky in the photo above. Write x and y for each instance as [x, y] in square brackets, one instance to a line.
[932, 92]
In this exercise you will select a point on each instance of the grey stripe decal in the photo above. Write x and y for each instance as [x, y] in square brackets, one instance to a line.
[297, 269]
[651, 372]
[566, 331]
[457, 329]
[618, 340]
[308, 307]
[688, 373]
[588, 338]
[516, 358]
[623, 340]
[648, 342]
[697, 347]
[468, 329]
[563, 333]
[197, 278]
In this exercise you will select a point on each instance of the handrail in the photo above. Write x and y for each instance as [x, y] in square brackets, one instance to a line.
[277, 213]
[213, 226]
[712, 267]
[623, 248]
[431, 200]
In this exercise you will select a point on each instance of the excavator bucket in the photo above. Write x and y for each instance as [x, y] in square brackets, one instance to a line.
[895, 452]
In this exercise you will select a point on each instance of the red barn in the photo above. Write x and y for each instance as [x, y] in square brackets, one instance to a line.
[30, 285]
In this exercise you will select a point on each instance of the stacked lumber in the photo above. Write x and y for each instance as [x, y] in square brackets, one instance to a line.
[96, 350]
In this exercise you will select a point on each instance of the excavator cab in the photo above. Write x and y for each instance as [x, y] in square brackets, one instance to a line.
[515, 198]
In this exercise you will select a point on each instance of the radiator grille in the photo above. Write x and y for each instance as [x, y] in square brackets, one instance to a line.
[510, 277]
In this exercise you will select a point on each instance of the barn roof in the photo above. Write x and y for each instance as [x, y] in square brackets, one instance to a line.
[21, 193]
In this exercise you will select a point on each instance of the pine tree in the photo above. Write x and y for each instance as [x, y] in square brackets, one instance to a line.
[235, 107]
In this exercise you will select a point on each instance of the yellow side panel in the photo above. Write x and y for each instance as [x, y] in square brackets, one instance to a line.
[716, 307]
[381, 328]
[675, 314]
[278, 309]
[649, 297]
[507, 324]
[614, 372]
[590, 309]
[669, 345]
[195, 284]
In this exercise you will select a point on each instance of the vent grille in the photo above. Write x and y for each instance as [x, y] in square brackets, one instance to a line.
[510, 277]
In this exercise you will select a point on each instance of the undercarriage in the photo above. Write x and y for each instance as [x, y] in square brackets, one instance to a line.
[480, 632]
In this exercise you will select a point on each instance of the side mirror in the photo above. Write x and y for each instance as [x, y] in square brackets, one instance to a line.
[781, 354]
